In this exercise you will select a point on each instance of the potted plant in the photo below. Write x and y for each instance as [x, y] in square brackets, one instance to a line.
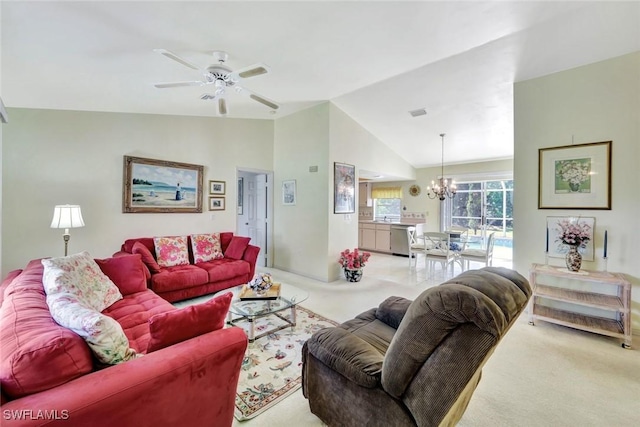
[575, 235]
[352, 263]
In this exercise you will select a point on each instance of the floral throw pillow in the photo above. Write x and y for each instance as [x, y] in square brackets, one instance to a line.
[103, 334]
[81, 276]
[171, 251]
[206, 247]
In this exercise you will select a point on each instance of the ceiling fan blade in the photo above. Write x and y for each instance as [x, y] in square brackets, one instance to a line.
[179, 84]
[250, 71]
[207, 97]
[258, 98]
[176, 58]
[222, 106]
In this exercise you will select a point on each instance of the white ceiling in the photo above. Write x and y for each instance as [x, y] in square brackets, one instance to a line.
[374, 60]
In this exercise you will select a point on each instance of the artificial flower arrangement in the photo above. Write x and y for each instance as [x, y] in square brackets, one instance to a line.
[574, 172]
[574, 233]
[353, 260]
[261, 283]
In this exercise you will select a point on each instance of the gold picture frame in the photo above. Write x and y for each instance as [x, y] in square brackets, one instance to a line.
[575, 176]
[217, 187]
[160, 186]
[216, 203]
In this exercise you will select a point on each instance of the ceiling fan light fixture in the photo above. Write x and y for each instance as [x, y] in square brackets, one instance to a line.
[221, 77]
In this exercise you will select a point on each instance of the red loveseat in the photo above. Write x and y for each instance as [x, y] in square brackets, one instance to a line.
[189, 281]
[48, 375]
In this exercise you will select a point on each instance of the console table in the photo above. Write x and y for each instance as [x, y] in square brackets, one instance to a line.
[594, 301]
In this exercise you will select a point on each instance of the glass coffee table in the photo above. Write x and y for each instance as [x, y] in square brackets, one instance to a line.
[250, 309]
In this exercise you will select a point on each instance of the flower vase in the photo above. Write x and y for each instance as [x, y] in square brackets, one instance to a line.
[574, 187]
[353, 275]
[573, 258]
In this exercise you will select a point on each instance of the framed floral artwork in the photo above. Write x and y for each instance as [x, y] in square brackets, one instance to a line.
[159, 186]
[558, 227]
[575, 176]
[344, 188]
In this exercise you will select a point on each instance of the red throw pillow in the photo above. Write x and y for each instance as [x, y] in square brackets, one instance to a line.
[127, 272]
[236, 247]
[147, 257]
[175, 326]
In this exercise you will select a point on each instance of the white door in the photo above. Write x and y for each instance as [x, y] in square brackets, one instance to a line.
[261, 218]
[254, 221]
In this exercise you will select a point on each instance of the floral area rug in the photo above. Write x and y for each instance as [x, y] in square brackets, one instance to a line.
[272, 366]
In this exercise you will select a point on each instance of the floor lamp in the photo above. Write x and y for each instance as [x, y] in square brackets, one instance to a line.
[67, 216]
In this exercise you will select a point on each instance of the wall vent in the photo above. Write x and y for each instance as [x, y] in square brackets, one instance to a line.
[419, 112]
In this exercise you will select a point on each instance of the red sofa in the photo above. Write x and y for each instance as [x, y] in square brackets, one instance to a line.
[48, 375]
[188, 281]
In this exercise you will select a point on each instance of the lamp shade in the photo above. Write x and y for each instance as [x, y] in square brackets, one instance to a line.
[67, 216]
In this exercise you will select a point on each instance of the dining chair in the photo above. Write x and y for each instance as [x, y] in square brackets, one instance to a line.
[438, 249]
[484, 256]
[420, 233]
[415, 248]
[459, 237]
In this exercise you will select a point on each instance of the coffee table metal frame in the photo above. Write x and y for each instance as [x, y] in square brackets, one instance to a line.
[281, 303]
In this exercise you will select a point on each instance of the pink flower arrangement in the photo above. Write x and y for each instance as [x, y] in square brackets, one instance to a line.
[574, 233]
[353, 260]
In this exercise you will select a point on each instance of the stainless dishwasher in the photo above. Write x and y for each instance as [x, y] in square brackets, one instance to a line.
[399, 241]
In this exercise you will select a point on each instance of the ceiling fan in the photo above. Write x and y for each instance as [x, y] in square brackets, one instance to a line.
[220, 78]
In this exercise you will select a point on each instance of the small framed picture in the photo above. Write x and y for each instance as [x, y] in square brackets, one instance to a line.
[289, 192]
[217, 187]
[216, 203]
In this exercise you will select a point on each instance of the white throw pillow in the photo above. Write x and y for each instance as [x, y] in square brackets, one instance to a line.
[103, 334]
[79, 275]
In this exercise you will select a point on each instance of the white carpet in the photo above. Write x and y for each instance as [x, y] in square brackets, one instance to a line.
[544, 375]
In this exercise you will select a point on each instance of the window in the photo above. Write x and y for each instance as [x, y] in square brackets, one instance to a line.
[387, 203]
[387, 209]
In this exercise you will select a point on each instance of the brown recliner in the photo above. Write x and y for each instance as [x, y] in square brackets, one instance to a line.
[412, 363]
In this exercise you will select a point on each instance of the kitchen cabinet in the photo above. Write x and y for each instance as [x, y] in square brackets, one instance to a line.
[374, 237]
[368, 236]
[364, 195]
[383, 238]
[594, 301]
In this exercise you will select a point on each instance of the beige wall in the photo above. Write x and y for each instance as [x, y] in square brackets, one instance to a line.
[55, 157]
[597, 102]
[301, 234]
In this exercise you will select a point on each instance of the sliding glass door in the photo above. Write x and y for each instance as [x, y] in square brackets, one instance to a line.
[482, 207]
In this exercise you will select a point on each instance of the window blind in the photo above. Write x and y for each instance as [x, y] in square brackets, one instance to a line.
[386, 193]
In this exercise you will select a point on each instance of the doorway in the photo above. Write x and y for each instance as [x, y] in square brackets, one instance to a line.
[254, 211]
[483, 207]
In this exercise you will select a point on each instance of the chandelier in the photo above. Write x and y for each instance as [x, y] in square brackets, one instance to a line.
[443, 188]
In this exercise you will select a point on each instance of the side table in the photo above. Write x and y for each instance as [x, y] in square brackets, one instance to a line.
[594, 301]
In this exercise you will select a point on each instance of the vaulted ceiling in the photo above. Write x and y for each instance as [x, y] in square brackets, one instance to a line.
[375, 60]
